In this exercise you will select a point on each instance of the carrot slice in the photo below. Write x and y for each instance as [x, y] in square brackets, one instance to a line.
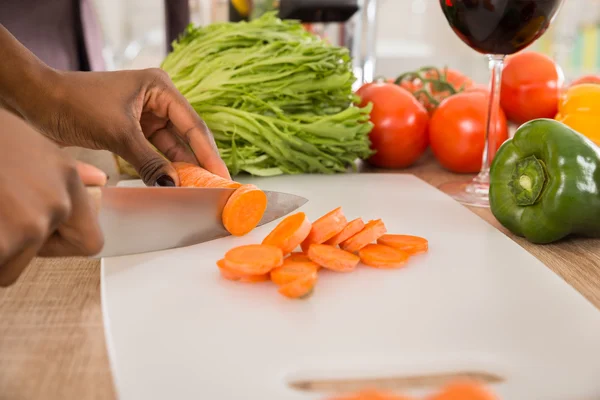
[408, 243]
[292, 270]
[253, 259]
[464, 391]
[351, 229]
[244, 210]
[191, 175]
[298, 256]
[372, 231]
[332, 258]
[231, 275]
[289, 233]
[301, 287]
[325, 228]
[372, 394]
[380, 256]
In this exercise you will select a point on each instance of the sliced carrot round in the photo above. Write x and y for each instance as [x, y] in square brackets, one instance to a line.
[351, 229]
[408, 243]
[234, 276]
[372, 394]
[372, 231]
[464, 391]
[298, 256]
[325, 228]
[244, 209]
[289, 233]
[292, 270]
[301, 287]
[332, 258]
[380, 256]
[253, 259]
[191, 175]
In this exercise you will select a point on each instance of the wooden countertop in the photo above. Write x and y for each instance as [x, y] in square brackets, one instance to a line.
[52, 338]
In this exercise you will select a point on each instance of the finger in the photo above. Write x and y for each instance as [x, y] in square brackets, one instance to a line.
[90, 175]
[167, 141]
[193, 130]
[80, 233]
[153, 168]
[11, 270]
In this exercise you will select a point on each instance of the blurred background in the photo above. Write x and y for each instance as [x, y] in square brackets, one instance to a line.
[398, 35]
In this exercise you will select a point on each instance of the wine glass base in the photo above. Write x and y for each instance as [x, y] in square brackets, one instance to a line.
[470, 193]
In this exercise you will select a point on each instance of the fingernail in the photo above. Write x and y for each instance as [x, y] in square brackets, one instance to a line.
[165, 180]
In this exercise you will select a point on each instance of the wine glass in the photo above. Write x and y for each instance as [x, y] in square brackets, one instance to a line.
[496, 28]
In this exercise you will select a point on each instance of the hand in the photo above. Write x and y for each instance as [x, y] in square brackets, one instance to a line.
[44, 208]
[125, 112]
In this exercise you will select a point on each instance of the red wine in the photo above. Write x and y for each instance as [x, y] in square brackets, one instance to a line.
[499, 26]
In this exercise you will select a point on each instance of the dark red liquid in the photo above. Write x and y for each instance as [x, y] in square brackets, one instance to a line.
[499, 26]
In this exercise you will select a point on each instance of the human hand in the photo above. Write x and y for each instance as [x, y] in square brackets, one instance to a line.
[44, 208]
[127, 112]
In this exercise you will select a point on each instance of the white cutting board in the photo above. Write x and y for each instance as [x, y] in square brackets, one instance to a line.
[477, 301]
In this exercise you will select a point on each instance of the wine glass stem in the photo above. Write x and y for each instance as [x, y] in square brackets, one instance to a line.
[496, 66]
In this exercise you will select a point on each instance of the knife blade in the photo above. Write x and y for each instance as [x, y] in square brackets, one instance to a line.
[145, 219]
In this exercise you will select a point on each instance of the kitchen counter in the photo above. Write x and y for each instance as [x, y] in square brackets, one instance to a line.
[52, 337]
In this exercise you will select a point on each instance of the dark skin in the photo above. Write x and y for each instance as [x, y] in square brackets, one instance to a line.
[44, 210]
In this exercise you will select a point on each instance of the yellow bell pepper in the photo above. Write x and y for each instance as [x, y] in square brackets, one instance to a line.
[579, 108]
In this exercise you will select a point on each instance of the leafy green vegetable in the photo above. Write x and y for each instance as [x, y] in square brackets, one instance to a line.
[277, 99]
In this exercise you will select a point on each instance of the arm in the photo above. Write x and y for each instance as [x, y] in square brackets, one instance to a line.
[122, 111]
[21, 75]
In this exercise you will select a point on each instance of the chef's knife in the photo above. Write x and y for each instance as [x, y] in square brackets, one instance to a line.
[144, 219]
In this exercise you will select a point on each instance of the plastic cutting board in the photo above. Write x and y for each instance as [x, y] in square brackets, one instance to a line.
[477, 301]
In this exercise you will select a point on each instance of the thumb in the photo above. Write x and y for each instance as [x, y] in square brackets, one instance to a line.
[153, 167]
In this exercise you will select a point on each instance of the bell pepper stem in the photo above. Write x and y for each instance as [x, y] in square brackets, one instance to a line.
[528, 181]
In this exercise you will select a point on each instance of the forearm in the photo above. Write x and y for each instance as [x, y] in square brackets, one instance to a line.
[23, 77]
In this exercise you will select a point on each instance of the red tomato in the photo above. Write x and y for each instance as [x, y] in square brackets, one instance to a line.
[399, 132]
[457, 131]
[586, 79]
[531, 85]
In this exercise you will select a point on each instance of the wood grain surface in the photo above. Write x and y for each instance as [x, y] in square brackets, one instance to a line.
[51, 333]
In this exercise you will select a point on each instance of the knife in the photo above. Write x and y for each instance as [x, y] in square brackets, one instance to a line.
[145, 219]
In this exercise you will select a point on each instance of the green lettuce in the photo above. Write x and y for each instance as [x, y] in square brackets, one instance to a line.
[277, 99]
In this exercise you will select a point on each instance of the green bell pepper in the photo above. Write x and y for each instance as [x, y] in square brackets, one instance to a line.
[545, 183]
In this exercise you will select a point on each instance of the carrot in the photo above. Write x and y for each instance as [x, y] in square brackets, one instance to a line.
[464, 391]
[244, 210]
[372, 231]
[332, 258]
[191, 175]
[372, 394]
[253, 259]
[231, 275]
[325, 228]
[300, 287]
[292, 270]
[380, 256]
[351, 229]
[298, 256]
[407, 243]
[289, 233]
